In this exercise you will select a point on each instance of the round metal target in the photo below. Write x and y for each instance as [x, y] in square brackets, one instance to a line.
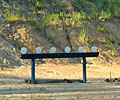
[94, 49]
[38, 50]
[53, 50]
[67, 49]
[23, 50]
[80, 49]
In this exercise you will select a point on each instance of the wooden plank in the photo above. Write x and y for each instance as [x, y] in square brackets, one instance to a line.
[59, 55]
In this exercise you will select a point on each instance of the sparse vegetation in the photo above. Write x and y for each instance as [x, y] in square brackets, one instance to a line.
[108, 46]
[104, 15]
[103, 40]
[83, 35]
[112, 38]
[94, 13]
[33, 21]
[63, 16]
[111, 47]
[119, 42]
[38, 4]
[113, 50]
[52, 36]
[99, 28]
[51, 19]
[38, 27]
[15, 18]
[93, 40]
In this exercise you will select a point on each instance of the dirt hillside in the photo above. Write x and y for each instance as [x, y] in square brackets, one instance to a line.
[59, 24]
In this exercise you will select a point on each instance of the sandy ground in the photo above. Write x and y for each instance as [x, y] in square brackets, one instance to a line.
[12, 82]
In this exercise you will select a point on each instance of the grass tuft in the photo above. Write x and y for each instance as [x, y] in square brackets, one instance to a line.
[15, 18]
[112, 38]
[83, 35]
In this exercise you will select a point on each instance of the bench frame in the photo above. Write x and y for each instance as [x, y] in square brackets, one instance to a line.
[58, 55]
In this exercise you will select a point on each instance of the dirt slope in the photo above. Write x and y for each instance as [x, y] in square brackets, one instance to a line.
[25, 32]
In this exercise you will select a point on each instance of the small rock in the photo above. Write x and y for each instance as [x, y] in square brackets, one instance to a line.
[1, 68]
[115, 78]
[107, 80]
[67, 81]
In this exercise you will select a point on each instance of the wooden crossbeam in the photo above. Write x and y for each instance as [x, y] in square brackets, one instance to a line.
[59, 55]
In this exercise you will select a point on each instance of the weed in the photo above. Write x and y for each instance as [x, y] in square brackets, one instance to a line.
[76, 17]
[23, 97]
[99, 28]
[73, 23]
[83, 15]
[104, 15]
[15, 18]
[32, 8]
[112, 38]
[119, 42]
[113, 50]
[32, 97]
[38, 5]
[83, 35]
[52, 36]
[108, 46]
[95, 12]
[52, 19]
[33, 20]
[103, 40]
[88, 17]
[38, 27]
[23, 18]
[93, 40]
[27, 26]
[61, 15]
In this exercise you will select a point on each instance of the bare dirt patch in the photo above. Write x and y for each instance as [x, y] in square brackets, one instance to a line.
[12, 82]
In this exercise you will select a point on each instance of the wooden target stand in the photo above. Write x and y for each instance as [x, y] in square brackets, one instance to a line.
[58, 55]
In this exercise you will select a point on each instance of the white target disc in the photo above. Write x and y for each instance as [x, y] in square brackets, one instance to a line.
[23, 50]
[67, 49]
[80, 49]
[38, 50]
[94, 49]
[53, 50]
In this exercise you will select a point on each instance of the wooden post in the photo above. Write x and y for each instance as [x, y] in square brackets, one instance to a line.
[33, 72]
[84, 69]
